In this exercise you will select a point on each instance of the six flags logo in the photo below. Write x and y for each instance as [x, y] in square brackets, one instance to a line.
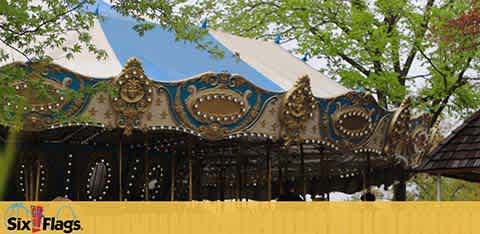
[40, 222]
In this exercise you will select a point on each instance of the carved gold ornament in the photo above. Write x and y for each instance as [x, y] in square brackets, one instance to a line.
[421, 137]
[134, 96]
[297, 108]
[132, 91]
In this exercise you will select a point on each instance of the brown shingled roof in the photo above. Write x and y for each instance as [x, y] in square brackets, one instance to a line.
[458, 156]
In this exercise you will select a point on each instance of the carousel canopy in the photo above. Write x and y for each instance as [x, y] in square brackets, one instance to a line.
[254, 119]
[263, 63]
[458, 155]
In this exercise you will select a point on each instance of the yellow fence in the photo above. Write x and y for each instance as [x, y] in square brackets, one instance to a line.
[245, 218]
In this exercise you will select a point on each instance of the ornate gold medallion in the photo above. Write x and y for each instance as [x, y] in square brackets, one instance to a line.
[134, 96]
[132, 91]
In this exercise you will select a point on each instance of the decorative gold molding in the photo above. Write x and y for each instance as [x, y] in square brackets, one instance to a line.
[133, 96]
[218, 105]
[296, 109]
[422, 138]
[221, 104]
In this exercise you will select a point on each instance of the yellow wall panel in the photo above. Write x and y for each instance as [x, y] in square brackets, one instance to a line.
[254, 217]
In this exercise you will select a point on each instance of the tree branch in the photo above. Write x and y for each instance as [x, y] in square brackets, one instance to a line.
[443, 103]
[16, 49]
[51, 20]
[429, 60]
[452, 196]
[354, 64]
[347, 59]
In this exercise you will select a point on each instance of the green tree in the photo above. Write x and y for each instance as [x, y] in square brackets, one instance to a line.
[30, 27]
[375, 44]
[378, 45]
[451, 189]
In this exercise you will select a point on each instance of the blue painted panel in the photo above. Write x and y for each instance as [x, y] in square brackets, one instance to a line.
[165, 59]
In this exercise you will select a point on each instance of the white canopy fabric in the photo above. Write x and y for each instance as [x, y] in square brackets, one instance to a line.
[265, 64]
[278, 64]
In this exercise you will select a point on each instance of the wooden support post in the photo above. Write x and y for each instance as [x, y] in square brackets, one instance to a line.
[400, 189]
[281, 173]
[172, 178]
[367, 175]
[438, 187]
[245, 178]
[238, 176]
[302, 171]
[26, 177]
[323, 175]
[146, 166]
[222, 176]
[37, 180]
[269, 173]
[199, 170]
[190, 172]
[120, 175]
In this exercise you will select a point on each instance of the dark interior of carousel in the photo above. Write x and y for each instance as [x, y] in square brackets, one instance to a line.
[86, 163]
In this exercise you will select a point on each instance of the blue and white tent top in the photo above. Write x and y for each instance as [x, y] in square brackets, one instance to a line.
[264, 63]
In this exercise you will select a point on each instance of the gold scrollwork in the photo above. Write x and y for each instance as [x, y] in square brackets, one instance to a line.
[134, 95]
[297, 108]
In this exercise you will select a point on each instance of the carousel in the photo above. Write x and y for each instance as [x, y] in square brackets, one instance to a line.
[160, 120]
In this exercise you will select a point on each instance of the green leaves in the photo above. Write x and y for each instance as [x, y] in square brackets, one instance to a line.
[31, 28]
[383, 46]
[451, 189]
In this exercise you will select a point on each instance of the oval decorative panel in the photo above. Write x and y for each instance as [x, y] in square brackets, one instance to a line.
[222, 106]
[217, 104]
[99, 179]
[58, 86]
[353, 122]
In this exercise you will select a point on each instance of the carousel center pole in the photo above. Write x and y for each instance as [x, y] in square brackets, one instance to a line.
[120, 176]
